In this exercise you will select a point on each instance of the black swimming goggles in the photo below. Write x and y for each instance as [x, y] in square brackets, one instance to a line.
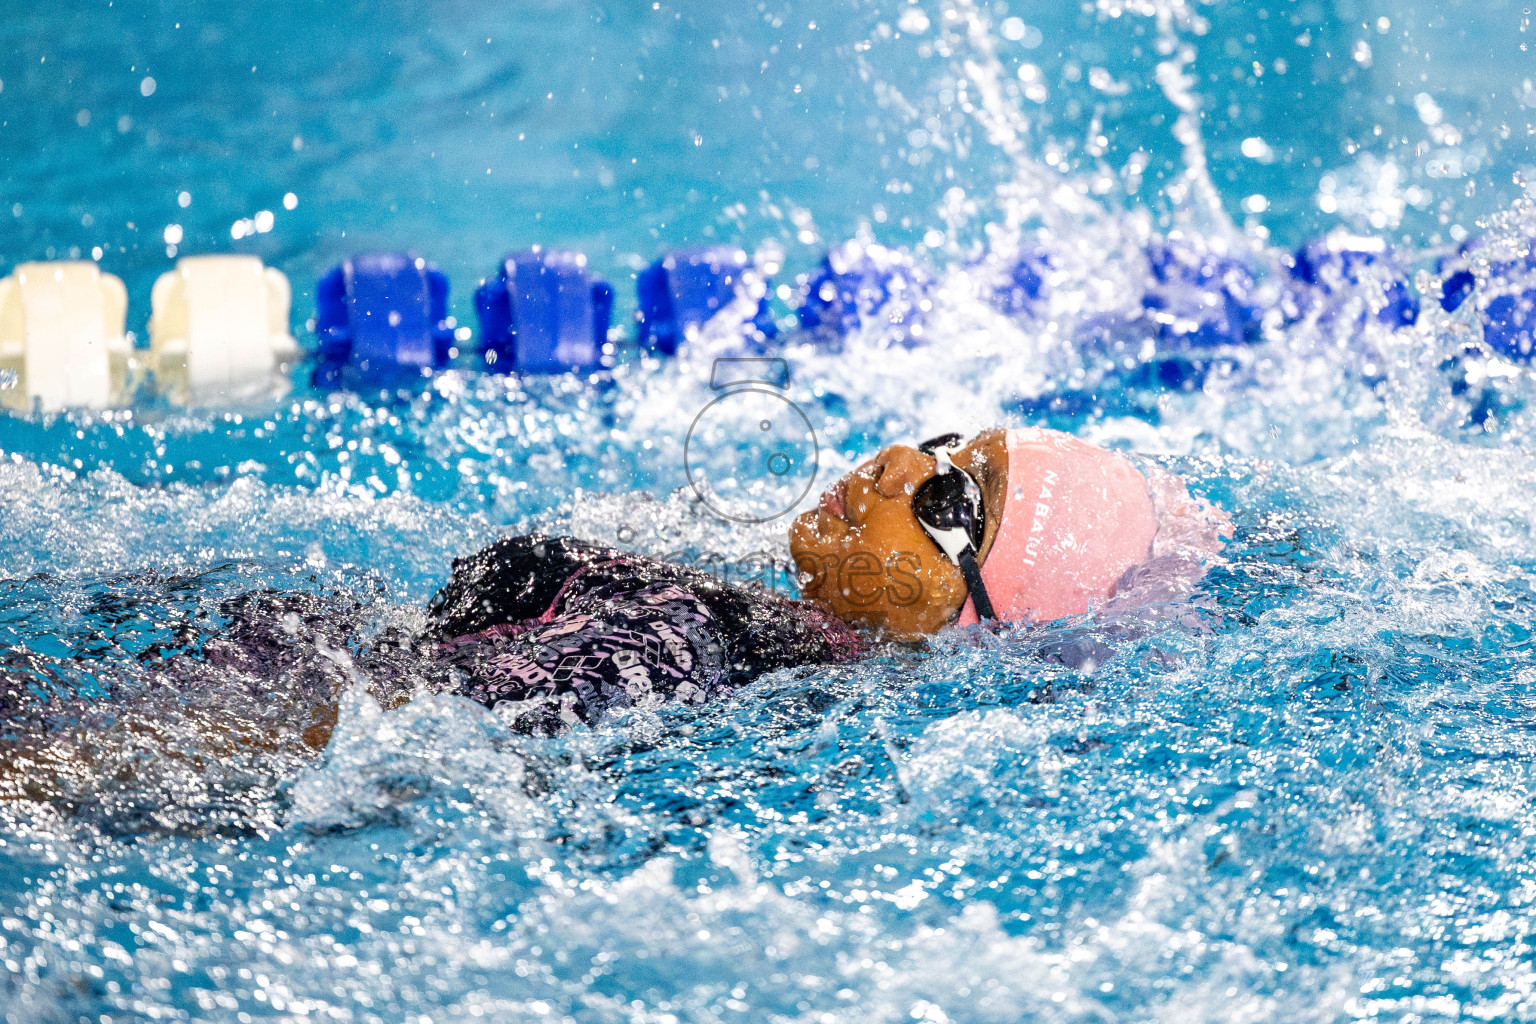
[950, 509]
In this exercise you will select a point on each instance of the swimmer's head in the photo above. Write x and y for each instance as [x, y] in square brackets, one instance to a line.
[863, 551]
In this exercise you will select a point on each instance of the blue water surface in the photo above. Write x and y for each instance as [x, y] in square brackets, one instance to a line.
[1301, 795]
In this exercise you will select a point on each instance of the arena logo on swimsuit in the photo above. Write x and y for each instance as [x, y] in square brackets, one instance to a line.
[676, 644]
[1042, 512]
[632, 674]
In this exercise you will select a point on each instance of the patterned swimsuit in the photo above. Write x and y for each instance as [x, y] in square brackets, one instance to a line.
[563, 632]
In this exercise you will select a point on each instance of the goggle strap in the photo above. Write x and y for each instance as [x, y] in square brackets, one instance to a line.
[972, 573]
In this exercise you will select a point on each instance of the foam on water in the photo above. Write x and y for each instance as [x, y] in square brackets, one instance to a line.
[1300, 795]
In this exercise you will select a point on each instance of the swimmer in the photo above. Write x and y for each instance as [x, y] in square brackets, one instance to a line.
[1016, 526]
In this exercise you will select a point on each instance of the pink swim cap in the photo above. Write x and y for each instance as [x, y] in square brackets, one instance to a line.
[1076, 517]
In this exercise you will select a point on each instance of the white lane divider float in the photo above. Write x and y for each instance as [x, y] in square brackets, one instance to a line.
[62, 340]
[219, 331]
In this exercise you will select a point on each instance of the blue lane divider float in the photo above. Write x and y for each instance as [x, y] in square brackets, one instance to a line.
[1200, 298]
[381, 316]
[544, 313]
[1024, 284]
[1502, 289]
[1200, 301]
[862, 286]
[1339, 265]
[686, 289]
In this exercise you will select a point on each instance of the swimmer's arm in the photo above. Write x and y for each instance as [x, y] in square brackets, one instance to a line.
[100, 750]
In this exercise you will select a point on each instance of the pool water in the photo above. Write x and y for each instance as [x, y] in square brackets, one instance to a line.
[1303, 795]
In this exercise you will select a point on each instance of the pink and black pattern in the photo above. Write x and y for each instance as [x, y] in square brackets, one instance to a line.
[570, 631]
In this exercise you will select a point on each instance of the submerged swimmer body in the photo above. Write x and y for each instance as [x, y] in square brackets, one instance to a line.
[1018, 526]
[1041, 526]
[560, 631]
[1029, 525]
